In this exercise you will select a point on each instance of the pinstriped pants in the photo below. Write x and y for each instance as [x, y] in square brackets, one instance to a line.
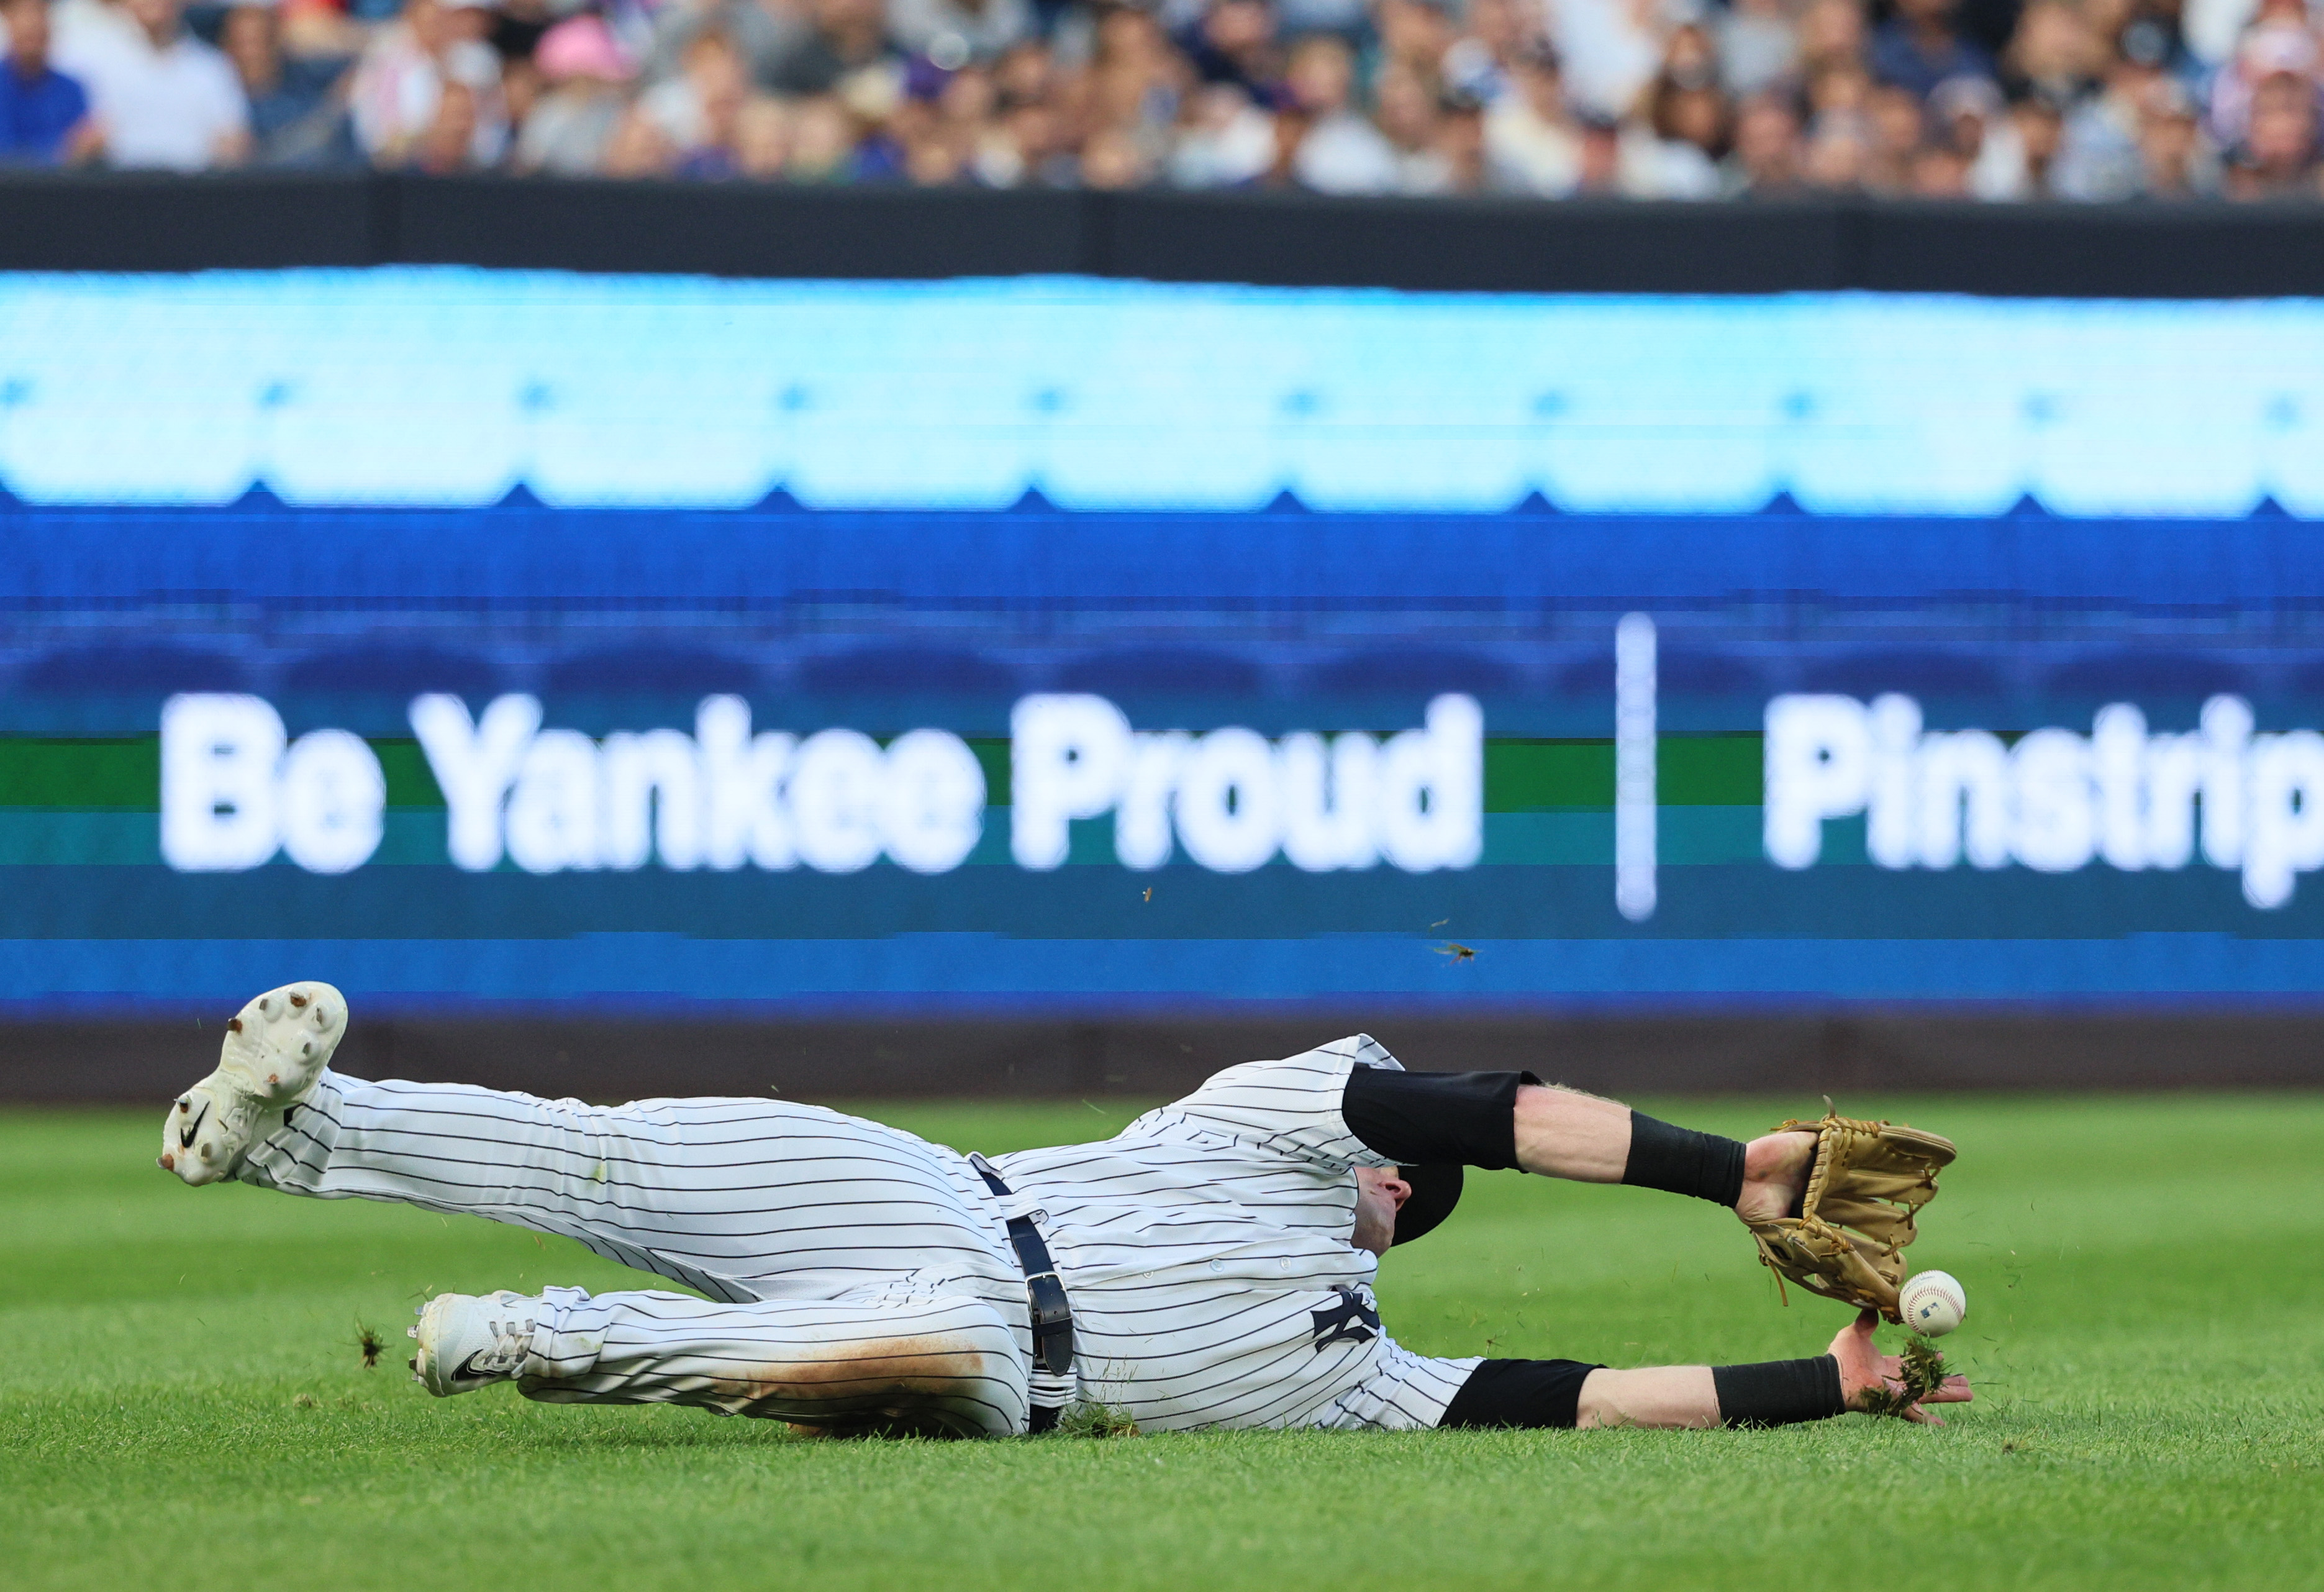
[856, 1279]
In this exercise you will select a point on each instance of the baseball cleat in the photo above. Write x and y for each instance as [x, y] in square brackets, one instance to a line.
[275, 1049]
[468, 1341]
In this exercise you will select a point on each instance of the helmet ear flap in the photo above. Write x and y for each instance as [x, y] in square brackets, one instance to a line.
[1436, 1191]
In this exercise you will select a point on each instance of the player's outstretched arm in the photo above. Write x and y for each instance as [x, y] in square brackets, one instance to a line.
[1853, 1375]
[1564, 1133]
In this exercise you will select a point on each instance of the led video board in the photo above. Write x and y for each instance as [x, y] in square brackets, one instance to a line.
[868, 649]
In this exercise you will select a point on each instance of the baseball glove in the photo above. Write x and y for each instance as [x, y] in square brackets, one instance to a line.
[1846, 1237]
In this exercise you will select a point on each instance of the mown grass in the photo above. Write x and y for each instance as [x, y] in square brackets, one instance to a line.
[182, 1402]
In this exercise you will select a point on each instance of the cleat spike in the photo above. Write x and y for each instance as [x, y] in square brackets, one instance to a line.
[297, 999]
[234, 1025]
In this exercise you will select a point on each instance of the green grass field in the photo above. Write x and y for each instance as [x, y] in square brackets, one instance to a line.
[182, 1403]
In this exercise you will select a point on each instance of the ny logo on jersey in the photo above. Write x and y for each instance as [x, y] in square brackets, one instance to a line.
[1351, 1321]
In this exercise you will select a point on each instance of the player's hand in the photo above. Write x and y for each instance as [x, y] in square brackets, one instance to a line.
[1775, 1168]
[1864, 1368]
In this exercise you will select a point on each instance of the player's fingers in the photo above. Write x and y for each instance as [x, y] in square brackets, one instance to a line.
[1920, 1417]
[1953, 1390]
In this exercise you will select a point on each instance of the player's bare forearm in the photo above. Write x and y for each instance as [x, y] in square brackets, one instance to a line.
[1657, 1396]
[1564, 1133]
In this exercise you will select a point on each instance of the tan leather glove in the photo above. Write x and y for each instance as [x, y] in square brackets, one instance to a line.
[1845, 1240]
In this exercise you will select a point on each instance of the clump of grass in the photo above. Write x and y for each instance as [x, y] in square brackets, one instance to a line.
[1922, 1371]
[1090, 1419]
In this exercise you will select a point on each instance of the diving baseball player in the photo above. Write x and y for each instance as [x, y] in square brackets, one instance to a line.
[1211, 1265]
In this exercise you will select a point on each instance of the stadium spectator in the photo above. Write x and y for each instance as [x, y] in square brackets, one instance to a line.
[574, 118]
[1832, 38]
[1461, 140]
[298, 104]
[2041, 128]
[160, 97]
[1895, 123]
[1765, 161]
[823, 141]
[762, 138]
[766, 31]
[44, 119]
[842, 37]
[2099, 157]
[1920, 47]
[401, 81]
[1758, 45]
[1531, 143]
[2175, 161]
[1234, 42]
[2279, 43]
[1409, 117]
[1672, 150]
[951, 33]
[1225, 140]
[1610, 49]
[2054, 53]
[2277, 156]
[695, 110]
[1340, 150]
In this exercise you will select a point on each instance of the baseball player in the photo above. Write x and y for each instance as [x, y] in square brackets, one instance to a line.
[1211, 1265]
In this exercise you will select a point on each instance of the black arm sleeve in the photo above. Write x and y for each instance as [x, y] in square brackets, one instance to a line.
[1779, 1393]
[1683, 1161]
[1436, 1118]
[1519, 1392]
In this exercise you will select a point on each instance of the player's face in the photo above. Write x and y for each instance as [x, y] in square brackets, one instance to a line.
[1379, 1194]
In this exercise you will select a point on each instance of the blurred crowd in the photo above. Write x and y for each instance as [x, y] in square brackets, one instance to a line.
[1990, 100]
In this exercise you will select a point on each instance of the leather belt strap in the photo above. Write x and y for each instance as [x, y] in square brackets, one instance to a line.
[1044, 1291]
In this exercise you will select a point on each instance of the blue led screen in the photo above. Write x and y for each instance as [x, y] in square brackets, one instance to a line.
[494, 641]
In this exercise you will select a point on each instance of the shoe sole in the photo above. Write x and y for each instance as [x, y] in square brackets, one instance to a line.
[275, 1047]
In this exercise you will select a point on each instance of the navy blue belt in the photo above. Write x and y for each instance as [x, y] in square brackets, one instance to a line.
[1044, 1292]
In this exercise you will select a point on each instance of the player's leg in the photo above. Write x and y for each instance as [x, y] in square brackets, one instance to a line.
[900, 1362]
[738, 1198]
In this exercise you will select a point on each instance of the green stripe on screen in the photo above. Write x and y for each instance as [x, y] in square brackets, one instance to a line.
[88, 776]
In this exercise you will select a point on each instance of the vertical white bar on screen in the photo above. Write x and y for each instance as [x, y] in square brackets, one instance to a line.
[1634, 767]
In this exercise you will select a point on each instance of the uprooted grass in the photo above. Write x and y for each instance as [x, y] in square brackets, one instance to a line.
[183, 1399]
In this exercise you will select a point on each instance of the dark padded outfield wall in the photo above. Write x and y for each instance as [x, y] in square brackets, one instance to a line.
[129, 222]
[779, 687]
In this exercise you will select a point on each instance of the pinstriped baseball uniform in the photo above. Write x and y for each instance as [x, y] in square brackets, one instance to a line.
[1204, 1249]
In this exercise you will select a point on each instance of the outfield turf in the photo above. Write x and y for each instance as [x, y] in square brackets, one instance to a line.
[182, 1403]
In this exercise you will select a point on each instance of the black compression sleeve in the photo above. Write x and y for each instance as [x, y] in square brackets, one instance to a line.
[1779, 1393]
[1436, 1118]
[1519, 1392]
[1683, 1161]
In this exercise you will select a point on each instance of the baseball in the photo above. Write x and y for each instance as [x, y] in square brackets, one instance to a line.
[1934, 1303]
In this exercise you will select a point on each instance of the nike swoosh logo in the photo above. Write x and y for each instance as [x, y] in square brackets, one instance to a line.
[185, 1134]
[469, 1367]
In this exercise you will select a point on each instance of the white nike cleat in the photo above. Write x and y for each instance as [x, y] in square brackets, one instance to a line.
[468, 1341]
[274, 1051]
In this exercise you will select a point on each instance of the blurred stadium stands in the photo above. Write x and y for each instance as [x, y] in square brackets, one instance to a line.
[1993, 100]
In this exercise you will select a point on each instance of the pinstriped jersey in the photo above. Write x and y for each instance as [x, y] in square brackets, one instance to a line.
[1206, 1251]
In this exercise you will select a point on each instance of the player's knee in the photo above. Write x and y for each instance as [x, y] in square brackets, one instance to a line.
[950, 1367]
